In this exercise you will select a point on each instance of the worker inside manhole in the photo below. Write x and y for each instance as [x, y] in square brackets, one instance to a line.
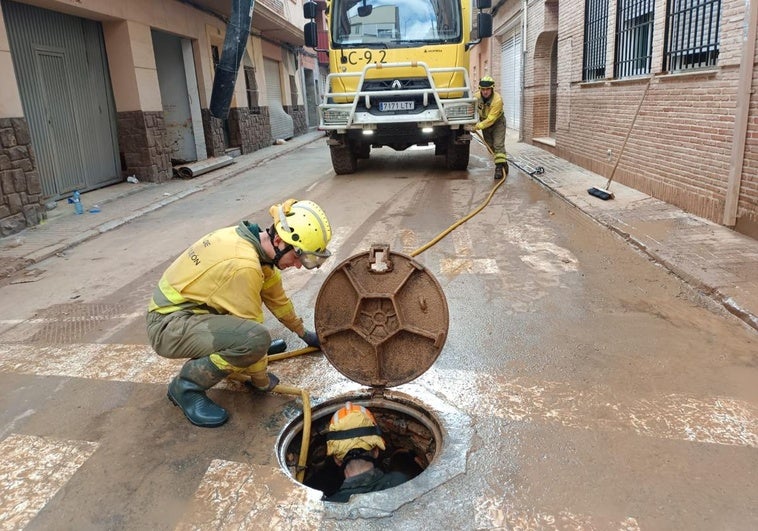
[357, 450]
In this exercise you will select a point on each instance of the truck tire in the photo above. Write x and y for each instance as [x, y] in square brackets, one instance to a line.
[363, 151]
[344, 159]
[456, 157]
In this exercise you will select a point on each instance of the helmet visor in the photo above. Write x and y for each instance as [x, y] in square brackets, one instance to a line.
[312, 260]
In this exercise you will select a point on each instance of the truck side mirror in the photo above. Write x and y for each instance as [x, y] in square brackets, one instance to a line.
[310, 32]
[310, 9]
[484, 25]
[483, 4]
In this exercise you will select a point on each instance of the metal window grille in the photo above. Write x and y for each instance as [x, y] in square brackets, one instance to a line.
[634, 38]
[692, 34]
[595, 39]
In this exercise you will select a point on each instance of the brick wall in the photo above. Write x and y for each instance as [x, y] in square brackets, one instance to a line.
[680, 148]
[20, 188]
[747, 211]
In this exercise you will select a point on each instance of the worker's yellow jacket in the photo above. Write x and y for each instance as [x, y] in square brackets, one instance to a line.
[489, 111]
[222, 273]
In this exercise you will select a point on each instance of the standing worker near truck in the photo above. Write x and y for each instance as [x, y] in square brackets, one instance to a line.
[492, 123]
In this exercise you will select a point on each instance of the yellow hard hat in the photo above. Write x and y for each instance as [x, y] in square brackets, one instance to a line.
[352, 427]
[487, 82]
[304, 226]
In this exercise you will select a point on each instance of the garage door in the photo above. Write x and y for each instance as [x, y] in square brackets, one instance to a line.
[66, 95]
[282, 125]
[510, 76]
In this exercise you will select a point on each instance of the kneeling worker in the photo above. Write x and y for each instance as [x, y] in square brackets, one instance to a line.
[208, 305]
[354, 441]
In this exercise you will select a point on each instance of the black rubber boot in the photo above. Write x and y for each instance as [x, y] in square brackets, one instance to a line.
[187, 390]
[277, 346]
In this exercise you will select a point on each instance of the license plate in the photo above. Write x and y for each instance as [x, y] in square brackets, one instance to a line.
[396, 106]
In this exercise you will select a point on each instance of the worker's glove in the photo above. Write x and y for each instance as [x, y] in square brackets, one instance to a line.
[311, 339]
[479, 126]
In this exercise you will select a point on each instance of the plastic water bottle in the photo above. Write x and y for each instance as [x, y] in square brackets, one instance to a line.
[76, 198]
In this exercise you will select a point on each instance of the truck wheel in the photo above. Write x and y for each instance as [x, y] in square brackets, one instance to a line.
[363, 151]
[456, 157]
[344, 159]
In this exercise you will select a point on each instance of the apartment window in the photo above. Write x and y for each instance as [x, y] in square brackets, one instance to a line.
[692, 34]
[293, 90]
[215, 56]
[634, 38]
[595, 39]
[251, 87]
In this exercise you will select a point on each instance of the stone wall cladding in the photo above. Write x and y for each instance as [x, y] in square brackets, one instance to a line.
[21, 201]
[298, 116]
[250, 129]
[143, 145]
[214, 134]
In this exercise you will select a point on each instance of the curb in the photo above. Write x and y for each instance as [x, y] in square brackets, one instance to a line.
[41, 254]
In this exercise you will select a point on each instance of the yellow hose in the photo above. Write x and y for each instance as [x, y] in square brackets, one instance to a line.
[470, 215]
[292, 354]
[289, 390]
[461, 221]
[306, 438]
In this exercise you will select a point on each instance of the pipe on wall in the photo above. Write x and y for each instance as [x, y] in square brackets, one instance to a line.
[747, 65]
[235, 41]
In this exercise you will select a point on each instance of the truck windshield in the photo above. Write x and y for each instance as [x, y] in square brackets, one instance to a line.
[395, 23]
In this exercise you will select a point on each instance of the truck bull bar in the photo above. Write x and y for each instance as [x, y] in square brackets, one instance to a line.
[449, 111]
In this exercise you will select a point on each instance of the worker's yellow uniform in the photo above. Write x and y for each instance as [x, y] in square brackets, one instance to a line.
[209, 302]
[492, 125]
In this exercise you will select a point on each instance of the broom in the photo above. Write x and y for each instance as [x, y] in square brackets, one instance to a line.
[604, 193]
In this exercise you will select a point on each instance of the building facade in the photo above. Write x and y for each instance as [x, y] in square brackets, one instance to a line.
[659, 94]
[94, 91]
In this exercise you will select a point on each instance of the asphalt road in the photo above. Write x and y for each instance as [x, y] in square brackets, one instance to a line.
[580, 386]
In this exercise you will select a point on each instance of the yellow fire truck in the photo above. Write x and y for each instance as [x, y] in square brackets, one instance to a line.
[398, 76]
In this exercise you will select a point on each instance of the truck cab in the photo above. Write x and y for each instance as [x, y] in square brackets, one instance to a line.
[398, 76]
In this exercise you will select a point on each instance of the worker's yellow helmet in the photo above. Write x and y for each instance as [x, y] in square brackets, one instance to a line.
[304, 226]
[487, 82]
[352, 427]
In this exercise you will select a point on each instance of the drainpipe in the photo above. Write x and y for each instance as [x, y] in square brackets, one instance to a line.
[237, 33]
[747, 66]
[524, 28]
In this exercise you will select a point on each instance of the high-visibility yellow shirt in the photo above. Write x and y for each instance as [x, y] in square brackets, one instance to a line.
[222, 273]
[489, 111]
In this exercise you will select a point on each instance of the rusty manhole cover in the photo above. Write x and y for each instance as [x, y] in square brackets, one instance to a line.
[382, 318]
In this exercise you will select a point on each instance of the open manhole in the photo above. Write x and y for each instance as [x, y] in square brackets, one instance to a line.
[382, 319]
[411, 436]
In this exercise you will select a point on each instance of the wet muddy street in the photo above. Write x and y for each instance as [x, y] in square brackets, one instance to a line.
[579, 386]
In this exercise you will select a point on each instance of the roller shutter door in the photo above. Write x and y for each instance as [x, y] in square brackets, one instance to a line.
[66, 95]
[282, 125]
[510, 76]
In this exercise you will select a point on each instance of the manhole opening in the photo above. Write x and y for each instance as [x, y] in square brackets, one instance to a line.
[411, 435]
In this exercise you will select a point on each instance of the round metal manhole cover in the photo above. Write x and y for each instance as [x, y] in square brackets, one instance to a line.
[382, 318]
